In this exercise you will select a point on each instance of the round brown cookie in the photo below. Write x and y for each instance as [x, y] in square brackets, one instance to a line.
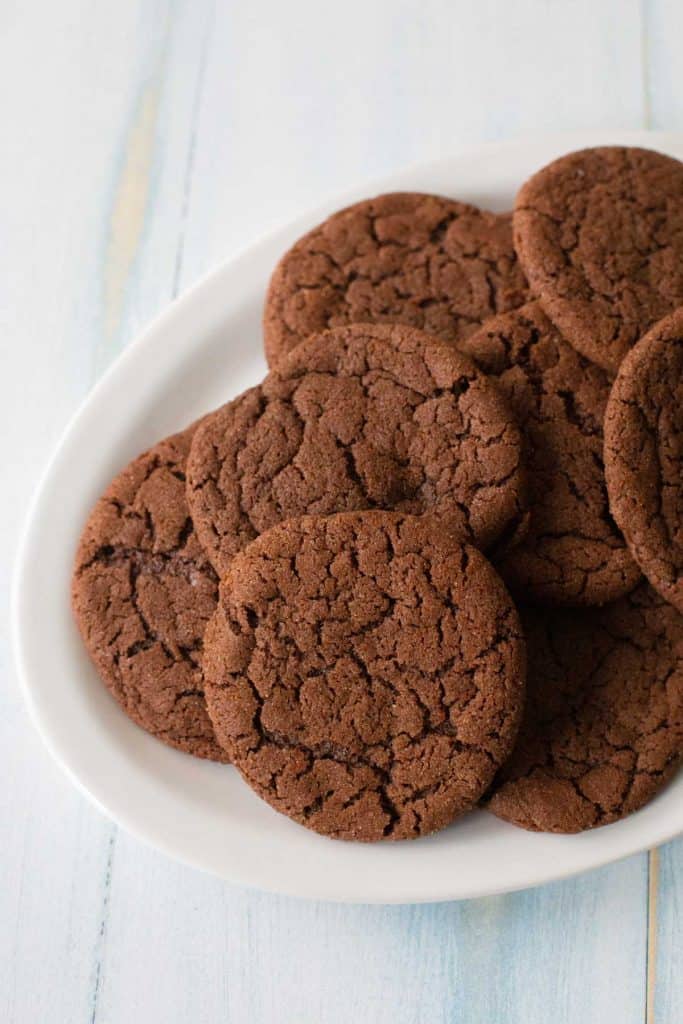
[403, 258]
[365, 416]
[365, 672]
[644, 455]
[143, 591]
[572, 553]
[599, 234]
[603, 723]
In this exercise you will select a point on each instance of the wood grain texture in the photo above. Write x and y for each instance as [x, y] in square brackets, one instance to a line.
[58, 153]
[236, 955]
[662, 31]
[667, 987]
[145, 141]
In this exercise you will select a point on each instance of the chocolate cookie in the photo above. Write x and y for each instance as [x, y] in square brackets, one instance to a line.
[572, 553]
[644, 455]
[603, 724]
[359, 417]
[599, 234]
[365, 672]
[407, 258]
[143, 592]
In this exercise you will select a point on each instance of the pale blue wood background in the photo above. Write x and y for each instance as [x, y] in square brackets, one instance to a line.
[144, 141]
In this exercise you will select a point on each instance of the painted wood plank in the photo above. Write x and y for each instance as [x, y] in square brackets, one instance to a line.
[668, 935]
[58, 149]
[552, 954]
[94, 145]
[54, 853]
[662, 33]
[147, 203]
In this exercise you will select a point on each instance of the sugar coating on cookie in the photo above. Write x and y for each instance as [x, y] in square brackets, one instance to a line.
[365, 416]
[408, 258]
[142, 593]
[365, 672]
[644, 455]
[572, 553]
[599, 234]
[603, 724]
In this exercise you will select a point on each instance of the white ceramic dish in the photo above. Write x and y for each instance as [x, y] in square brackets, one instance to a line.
[203, 350]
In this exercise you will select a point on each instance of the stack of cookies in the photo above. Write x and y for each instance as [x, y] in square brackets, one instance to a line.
[434, 560]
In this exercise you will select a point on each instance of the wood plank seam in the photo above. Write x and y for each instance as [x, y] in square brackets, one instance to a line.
[645, 65]
[651, 944]
[101, 940]
[191, 150]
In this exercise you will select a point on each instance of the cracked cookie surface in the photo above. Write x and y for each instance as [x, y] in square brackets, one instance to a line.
[603, 724]
[599, 234]
[644, 455]
[365, 672]
[365, 416]
[572, 553]
[142, 593]
[409, 258]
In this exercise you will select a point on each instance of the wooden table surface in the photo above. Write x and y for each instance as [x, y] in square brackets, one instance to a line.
[143, 142]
